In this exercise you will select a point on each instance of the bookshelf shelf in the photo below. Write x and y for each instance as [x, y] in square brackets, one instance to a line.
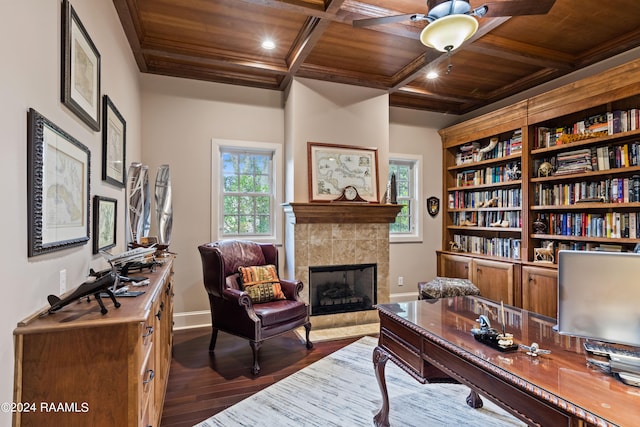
[492, 229]
[587, 206]
[586, 143]
[515, 183]
[485, 163]
[514, 208]
[611, 240]
[573, 177]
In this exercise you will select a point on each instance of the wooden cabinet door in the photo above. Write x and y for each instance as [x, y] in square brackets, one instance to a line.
[455, 266]
[540, 290]
[494, 279]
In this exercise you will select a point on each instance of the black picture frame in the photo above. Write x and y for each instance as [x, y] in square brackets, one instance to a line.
[80, 69]
[59, 170]
[105, 219]
[114, 144]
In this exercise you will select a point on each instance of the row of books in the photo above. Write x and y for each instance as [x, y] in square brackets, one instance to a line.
[611, 190]
[496, 246]
[609, 123]
[489, 175]
[583, 246]
[609, 224]
[469, 153]
[501, 198]
[615, 156]
[502, 219]
[571, 162]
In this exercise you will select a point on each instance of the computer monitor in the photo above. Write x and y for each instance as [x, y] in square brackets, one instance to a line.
[599, 295]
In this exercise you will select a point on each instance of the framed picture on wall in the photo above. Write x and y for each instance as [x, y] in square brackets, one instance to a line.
[114, 132]
[334, 167]
[58, 168]
[80, 69]
[105, 215]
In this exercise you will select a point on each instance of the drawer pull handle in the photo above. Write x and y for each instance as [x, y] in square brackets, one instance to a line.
[149, 331]
[159, 314]
[162, 306]
[150, 375]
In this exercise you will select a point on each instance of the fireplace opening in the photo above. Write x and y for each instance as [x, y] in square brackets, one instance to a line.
[342, 288]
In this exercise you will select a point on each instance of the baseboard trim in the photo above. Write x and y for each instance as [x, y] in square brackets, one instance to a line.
[403, 296]
[191, 319]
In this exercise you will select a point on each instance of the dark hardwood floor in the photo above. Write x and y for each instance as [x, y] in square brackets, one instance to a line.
[202, 384]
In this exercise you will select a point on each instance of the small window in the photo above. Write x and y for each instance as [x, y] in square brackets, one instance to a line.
[406, 170]
[247, 194]
[244, 189]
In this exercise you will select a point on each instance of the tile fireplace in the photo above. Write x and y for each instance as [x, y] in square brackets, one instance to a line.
[339, 234]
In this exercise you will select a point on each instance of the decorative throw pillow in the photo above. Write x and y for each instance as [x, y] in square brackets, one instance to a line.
[261, 283]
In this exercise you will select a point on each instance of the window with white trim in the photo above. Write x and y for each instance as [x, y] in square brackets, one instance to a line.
[407, 172]
[247, 189]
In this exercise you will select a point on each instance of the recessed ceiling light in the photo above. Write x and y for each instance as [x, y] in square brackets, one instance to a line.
[268, 44]
[432, 75]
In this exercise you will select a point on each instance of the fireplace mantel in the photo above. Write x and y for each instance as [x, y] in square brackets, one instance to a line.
[341, 213]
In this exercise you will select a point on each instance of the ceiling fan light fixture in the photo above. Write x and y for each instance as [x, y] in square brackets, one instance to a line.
[449, 32]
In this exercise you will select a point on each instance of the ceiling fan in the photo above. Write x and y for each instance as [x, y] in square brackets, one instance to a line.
[451, 22]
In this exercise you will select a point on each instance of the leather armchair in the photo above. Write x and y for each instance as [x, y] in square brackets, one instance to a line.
[232, 310]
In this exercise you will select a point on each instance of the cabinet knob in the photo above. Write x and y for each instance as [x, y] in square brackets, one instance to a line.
[149, 331]
[162, 306]
[159, 314]
[150, 376]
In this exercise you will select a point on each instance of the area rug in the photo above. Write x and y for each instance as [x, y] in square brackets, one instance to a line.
[320, 335]
[341, 390]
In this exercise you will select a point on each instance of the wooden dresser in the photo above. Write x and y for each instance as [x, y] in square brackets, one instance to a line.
[77, 367]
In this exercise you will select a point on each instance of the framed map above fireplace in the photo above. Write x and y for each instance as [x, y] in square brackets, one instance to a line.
[333, 167]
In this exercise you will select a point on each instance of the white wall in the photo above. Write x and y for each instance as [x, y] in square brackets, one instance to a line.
[416, 132]
[180, 118]
[333, 113]
[30, 43]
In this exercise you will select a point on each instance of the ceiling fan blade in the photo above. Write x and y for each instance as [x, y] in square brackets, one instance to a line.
[382, 20]
[518, 8]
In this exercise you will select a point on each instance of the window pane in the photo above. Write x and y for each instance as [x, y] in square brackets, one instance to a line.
[246, 224]
[229, 163]
[230, 205]
[245, 163]
[262, 205]
[246, 184]
[262, 224]
[230, 224]
[403, 188]
[261, 164]
[230, 183]
[246, 205]
[262, 184]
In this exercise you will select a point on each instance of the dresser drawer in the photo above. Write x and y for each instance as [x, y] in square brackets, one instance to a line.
[146, 385]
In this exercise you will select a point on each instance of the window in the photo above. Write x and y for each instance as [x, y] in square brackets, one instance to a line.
[245, 189]
[407, 171]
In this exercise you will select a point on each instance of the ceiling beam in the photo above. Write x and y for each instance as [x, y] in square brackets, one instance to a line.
[308, 37]
[503, 48]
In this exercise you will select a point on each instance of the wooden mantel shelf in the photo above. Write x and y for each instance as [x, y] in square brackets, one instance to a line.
[341, 213]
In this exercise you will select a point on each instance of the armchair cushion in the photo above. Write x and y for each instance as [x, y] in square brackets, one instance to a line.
[261, 283]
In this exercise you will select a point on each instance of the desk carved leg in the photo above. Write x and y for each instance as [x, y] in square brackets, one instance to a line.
[380, 357]
[474, 400]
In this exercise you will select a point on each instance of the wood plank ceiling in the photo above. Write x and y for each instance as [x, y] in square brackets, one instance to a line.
[220, 41]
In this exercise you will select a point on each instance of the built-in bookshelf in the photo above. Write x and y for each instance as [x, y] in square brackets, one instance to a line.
[483, 179]
[577, 151]
[590, 198]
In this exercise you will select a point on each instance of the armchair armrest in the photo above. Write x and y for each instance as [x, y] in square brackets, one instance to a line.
[291, 289]
[242, 299]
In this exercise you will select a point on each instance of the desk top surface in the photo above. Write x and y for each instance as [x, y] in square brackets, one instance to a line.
[561, 377]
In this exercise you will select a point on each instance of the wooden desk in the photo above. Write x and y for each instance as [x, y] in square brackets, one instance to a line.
[431, 338]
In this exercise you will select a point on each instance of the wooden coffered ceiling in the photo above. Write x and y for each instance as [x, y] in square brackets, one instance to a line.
[219, 41]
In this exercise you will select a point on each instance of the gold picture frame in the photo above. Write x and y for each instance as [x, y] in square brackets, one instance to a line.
[332, 167]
